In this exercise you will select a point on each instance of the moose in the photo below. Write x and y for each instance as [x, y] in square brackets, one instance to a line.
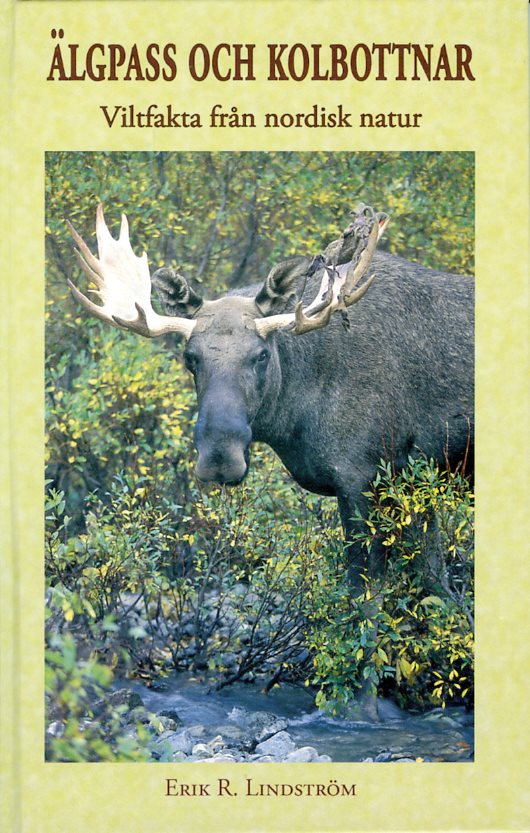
[332, 369]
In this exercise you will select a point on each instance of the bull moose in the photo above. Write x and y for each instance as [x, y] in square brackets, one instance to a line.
[331, 369]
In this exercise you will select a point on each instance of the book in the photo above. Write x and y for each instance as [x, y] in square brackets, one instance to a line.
[300, 111]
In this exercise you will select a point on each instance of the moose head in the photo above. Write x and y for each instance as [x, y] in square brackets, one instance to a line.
[231, 345]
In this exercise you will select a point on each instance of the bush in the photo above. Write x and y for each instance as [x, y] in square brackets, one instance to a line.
[74, 688]
[235, 592]
[421, 648]
[162, 589]
[119, 406]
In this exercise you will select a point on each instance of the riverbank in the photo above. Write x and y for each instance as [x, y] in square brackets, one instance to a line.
[184, 721]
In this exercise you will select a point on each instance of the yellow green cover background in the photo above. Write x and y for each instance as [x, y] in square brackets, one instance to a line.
[488, 116]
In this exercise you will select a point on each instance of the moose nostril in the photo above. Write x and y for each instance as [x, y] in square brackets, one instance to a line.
[227, 468]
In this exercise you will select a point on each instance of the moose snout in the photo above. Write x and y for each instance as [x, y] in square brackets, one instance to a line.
[228, 465]
[223, 449]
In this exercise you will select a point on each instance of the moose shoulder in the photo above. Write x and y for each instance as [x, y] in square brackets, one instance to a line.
[351, 372]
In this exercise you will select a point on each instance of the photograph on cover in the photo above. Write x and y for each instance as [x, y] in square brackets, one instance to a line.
[259, 486]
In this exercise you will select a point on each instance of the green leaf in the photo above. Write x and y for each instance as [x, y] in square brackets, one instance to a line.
[433, 600]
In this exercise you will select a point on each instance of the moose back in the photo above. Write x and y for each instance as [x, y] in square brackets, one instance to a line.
[333, 370]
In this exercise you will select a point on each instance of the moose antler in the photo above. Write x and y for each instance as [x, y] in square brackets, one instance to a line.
[123, 284]
[339, 287]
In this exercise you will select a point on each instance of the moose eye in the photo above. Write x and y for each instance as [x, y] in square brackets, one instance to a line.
[262, 358]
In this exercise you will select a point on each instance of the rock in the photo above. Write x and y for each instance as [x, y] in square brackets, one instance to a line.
[159, 684]
[125, 697]
[56, 729]
[240, 589]
[139, 715]
[441, 716]
[383, 757]
[301, 656]
[270, 729]
[220, 759]
[279, 745]
[229, 659]
[161, 746]
[388, 710]
[303, 755]
[362, 710]
[172, 714]
[257, 726]
[120, 697]
[179, 741]
[209, 749]
[463, 717]
[395, 756]
[201, 750]
[231, 733]
[165, 722]
[216, 743]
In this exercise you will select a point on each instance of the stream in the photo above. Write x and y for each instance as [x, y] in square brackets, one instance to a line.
[241, 723]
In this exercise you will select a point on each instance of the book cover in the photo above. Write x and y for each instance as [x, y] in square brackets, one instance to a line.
[179, 655]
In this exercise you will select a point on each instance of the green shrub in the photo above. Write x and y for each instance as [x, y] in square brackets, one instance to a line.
[147, 580]
[74, 687]
[421, 649]
[121, 406]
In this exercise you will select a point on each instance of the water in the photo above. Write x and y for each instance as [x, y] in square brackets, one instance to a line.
[440, 735]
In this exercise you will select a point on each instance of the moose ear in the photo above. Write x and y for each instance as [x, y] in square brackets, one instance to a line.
[280, 285]
[173, 292]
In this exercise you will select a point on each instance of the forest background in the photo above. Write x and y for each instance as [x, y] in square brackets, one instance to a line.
[147, 573]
